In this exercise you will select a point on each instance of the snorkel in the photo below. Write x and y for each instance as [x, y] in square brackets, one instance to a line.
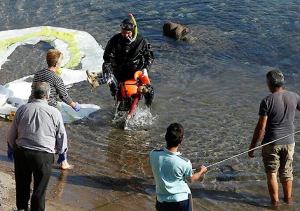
[135, 27]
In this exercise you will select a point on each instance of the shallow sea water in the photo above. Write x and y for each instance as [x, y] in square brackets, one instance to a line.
[212, 86]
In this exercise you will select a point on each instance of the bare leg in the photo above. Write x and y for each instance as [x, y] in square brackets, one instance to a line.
[287, 191]
[133, 105]
[273, 187]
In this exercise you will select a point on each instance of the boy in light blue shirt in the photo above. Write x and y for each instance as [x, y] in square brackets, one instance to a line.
[171, 171]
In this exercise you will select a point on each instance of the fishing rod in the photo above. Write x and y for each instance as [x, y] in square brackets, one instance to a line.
[250, 150]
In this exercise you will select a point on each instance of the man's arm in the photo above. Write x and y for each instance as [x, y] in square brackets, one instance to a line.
[200, 170]
[61, 137]
[298, 101]
[258, 133]
[108, 57]
[64, 96]
[298, 106]
[11, 138]
[12, 133]
[62, 92]
[148, 55]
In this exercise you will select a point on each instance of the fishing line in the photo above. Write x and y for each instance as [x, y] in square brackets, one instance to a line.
[250, 150]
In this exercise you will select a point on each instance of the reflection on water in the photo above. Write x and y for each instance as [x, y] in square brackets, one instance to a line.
[57, 191]
[212, 86]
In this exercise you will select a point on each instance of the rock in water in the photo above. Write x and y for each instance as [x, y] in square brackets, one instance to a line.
[175, 31]
[228, 173]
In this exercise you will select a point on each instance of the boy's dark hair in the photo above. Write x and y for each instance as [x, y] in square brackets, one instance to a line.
[174, 135]
[275, 78]
[41, 90]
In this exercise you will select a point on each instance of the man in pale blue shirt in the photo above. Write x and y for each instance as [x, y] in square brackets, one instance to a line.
[171, 172]
[35, 135]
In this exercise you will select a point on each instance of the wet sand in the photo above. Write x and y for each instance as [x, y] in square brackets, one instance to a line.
[62, 195]
[78, 190]
[68, 190]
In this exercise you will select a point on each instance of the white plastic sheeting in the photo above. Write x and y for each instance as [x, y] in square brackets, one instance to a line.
[79, 49]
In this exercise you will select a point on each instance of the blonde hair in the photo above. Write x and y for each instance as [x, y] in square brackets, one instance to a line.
[53, 57]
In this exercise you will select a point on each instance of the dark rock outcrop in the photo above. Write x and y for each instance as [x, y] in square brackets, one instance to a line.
[176, 31]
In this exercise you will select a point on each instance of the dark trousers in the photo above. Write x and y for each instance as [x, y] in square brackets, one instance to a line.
[174, 206]
[28, 163]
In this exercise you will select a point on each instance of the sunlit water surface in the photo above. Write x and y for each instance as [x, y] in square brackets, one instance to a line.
[212, 86]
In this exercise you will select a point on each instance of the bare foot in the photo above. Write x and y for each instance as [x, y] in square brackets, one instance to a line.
[65, 165]
[128, 116]
[288, 201]
[275, 205]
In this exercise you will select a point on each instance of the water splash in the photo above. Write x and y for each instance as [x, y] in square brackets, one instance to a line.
[141, 119]
[120, 117]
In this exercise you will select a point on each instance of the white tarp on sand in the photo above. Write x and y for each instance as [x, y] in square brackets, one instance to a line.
[79, 49]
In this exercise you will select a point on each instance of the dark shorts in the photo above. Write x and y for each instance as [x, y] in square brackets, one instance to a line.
[174, 206]
[279, 157]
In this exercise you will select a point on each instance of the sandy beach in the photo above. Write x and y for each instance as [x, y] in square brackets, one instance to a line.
[68, 190]
[7, 193]
[7, 190]
[54, 192]
[7, 196]
[64, 196]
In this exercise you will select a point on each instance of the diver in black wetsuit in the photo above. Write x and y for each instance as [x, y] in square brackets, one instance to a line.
[125, 53]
